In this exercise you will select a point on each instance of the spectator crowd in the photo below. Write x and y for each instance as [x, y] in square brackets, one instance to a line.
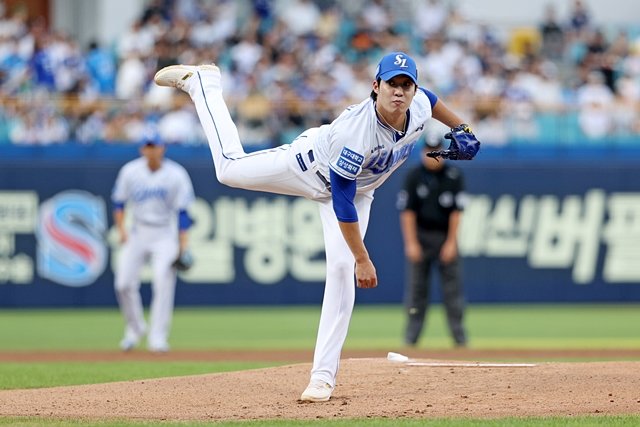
[294, 64]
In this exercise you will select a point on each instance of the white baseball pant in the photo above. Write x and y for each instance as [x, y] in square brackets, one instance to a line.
[160, 245]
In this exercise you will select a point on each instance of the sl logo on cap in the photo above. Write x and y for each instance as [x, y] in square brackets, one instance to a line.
[401, 61]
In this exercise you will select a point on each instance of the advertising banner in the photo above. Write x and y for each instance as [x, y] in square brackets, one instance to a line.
[534, 231]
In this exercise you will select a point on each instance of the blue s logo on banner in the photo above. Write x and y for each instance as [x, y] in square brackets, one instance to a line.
[71, 249]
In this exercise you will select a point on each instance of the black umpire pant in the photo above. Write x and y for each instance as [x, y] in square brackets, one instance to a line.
[417, 292]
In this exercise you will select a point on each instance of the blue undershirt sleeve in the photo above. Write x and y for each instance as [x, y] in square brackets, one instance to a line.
[184, 220]
[118, 206]
[343, 191]
[433, 98]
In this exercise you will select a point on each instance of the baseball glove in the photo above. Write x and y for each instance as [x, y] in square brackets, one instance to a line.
[184, 261]
[464, 145]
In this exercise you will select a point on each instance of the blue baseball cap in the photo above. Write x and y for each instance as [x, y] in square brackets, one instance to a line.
[151, 137]
[396, 63]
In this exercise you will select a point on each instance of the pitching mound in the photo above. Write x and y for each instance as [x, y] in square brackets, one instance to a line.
[367, 387]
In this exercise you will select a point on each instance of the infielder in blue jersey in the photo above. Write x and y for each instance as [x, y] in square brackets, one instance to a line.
[339, 165]
[158, 193]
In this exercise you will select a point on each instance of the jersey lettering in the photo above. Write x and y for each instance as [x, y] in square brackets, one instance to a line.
[386, 161]
[349, 161]
[352, 156]
[347, 166]
[143, 194]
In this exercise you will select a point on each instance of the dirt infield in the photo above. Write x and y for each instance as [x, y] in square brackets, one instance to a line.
[367, 387]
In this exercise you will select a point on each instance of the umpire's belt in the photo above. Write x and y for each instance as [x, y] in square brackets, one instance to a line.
[304, 167]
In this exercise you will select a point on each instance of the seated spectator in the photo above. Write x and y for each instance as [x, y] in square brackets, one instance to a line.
[138, 40]
[301, 17]
[180, 125]
[429, 18]
[627, 106]
[131, 78]
[489, 124]
[595, 101]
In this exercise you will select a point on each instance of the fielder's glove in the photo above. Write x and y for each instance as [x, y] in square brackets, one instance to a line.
[184, 261]
[464, 145]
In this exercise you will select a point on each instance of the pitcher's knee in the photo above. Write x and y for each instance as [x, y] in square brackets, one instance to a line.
[224, 177]
[230, 179]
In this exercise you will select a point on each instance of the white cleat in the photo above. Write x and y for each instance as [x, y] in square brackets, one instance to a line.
[317, 391]
[128, 343]
[159, 348]
[131, 339]
[178, 75]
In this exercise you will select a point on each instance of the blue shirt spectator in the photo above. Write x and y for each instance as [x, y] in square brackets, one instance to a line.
[101, 66]
[43, 67]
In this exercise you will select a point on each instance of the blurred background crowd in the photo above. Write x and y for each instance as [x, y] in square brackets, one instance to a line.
[293, 64]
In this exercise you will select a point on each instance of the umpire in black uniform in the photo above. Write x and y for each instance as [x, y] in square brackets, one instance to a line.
[431, 205]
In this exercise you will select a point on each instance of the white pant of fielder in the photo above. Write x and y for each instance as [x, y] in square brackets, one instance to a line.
[277, 171]
[160, 245]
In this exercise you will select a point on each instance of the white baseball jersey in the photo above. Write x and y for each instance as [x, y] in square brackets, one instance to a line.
[154, 197]
[356, 145]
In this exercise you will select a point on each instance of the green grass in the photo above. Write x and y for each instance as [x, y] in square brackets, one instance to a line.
[252, 328]
[15, 375]
[372, 327]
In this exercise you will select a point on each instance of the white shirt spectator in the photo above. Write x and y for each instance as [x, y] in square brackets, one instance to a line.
[376, 16]
[627, 104]
[181, 126]
[351, 80]
[325, 55]
[159, 97]
[491, 130]
[459, 27]
[595, 100]
[135, 127]
[437, 69]
[219, 25]
[137, 40]
[13, 26]
[429, 17]
[300, 16]
[246, 54]
[489, 84]
[631, 64]
[131, 78]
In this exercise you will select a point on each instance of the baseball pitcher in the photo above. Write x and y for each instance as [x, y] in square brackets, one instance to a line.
[339, 165]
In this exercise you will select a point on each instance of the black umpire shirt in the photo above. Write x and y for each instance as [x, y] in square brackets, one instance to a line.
[432, 195]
